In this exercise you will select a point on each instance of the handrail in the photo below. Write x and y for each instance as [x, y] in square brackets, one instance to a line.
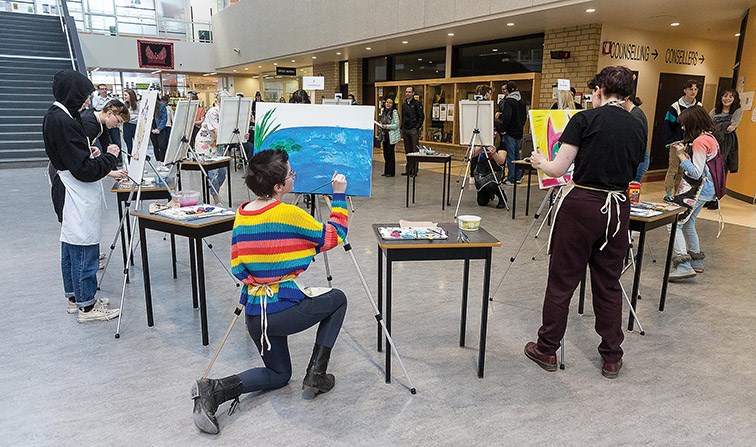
[65, 30]
[72, 38]
[159, 24]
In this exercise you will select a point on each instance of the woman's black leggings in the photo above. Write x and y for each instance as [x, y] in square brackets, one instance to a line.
[328, 309]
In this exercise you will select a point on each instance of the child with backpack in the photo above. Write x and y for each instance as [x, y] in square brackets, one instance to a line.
[696, 188]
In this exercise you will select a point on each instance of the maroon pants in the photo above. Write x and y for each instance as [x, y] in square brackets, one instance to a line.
[579, 232]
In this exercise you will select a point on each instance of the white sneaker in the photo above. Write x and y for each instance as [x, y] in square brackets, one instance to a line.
[72, 308]
[100, 312]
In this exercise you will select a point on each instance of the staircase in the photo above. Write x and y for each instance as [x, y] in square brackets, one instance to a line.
[32, 49]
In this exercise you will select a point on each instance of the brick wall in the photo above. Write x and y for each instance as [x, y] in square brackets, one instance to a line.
[584, 44]
[329, 70]
[355, 79]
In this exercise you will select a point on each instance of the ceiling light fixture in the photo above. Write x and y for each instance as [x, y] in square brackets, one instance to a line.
[590, 10]
[275, 63]
[737, 34]
[405, 42]
[368, 48]
[314, 57]
[246, 68]
[450, 34]
[674, 24]
[510, 24]
[293, 60]
[338, 53]
[495, 50]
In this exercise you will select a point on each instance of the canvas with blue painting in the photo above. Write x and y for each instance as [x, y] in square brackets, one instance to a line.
[320, 139]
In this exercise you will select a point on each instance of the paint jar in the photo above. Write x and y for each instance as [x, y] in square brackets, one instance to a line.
[633, 192]
[187, 198]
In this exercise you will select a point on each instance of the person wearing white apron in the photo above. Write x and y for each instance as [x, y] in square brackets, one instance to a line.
[69, 152]
[606, 144]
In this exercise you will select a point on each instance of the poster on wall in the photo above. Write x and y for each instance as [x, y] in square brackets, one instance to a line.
[320, 140]
[450, 112]
[142, 136]
[155, 54]
[746, 100]
[442, 112]
[546, 127]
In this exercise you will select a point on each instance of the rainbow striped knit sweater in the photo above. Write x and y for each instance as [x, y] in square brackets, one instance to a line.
[276, 244]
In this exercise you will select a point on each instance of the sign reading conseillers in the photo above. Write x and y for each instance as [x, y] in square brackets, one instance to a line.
[644, 53]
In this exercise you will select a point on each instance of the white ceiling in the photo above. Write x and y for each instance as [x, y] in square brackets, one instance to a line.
[705, 19]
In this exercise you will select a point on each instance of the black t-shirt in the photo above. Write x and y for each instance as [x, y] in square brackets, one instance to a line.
[611, 143]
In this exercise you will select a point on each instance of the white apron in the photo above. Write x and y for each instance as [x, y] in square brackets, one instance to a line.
[82, 211]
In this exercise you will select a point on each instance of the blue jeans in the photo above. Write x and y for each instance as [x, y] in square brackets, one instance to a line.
[216, 177]
[513, 153]
[686, 237]
[129, 130]
[328, 309]
[642, 167]
[79, 264]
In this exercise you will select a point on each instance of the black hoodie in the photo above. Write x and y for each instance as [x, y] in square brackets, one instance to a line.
[65, 142]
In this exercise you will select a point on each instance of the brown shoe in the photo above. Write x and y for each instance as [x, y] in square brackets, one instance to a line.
[547, 362]
[610, 370]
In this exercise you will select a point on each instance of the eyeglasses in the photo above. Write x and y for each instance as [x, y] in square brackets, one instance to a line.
[292, 175]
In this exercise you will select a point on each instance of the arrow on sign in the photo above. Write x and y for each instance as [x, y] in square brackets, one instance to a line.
[655, 54]
[701, 59]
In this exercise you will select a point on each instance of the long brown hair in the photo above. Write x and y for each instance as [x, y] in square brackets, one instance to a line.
[131, 99]
[718, 106]
[695, 121]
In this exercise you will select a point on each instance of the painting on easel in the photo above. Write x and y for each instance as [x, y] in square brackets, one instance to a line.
[320, 139]
[142, 136]
[546, 127]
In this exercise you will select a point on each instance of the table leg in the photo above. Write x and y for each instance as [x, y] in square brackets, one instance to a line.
[229, 180]
[414, 183]
[443, 189]
[514, 199]
[193, 263]
[581, 301]
[380, 296]
[123, 239]
[463, 316]
[173, 254]
[448, 184]
[388, 319]
[406, 193]
[146, 276]
[637, 276]
[484, 315]
[670, 250]
[201, 287]
[128, 230]
[527, 197]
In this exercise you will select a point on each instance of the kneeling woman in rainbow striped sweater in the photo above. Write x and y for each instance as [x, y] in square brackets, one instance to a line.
[272, 244]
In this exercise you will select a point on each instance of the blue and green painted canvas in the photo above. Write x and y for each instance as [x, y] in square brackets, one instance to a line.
[320, 140]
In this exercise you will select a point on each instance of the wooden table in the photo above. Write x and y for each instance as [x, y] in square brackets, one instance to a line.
[480, 247]
[416, 157]
[195, 230]
[526, 165]
[642, 225]
[207, 166]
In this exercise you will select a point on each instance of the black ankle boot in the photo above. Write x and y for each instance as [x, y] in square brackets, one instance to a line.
[207, 395]
[316, 380]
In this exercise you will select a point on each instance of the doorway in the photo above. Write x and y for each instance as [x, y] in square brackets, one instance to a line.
[670, 90]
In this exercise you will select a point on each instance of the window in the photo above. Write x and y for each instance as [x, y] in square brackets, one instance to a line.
[518, 55]
[420, 65]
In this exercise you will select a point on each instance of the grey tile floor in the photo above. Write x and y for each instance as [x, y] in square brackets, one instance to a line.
[688, 381]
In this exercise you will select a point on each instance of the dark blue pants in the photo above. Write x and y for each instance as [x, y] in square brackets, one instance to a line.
[327, 309]
[129, 130]
[78, 264]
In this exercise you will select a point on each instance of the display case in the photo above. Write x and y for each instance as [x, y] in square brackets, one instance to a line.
[440, 98]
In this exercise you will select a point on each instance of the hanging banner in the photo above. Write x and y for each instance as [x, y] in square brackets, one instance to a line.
[155, 54]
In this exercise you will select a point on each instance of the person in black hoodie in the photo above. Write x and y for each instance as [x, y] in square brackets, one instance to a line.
[80, 168]
[511, 116]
